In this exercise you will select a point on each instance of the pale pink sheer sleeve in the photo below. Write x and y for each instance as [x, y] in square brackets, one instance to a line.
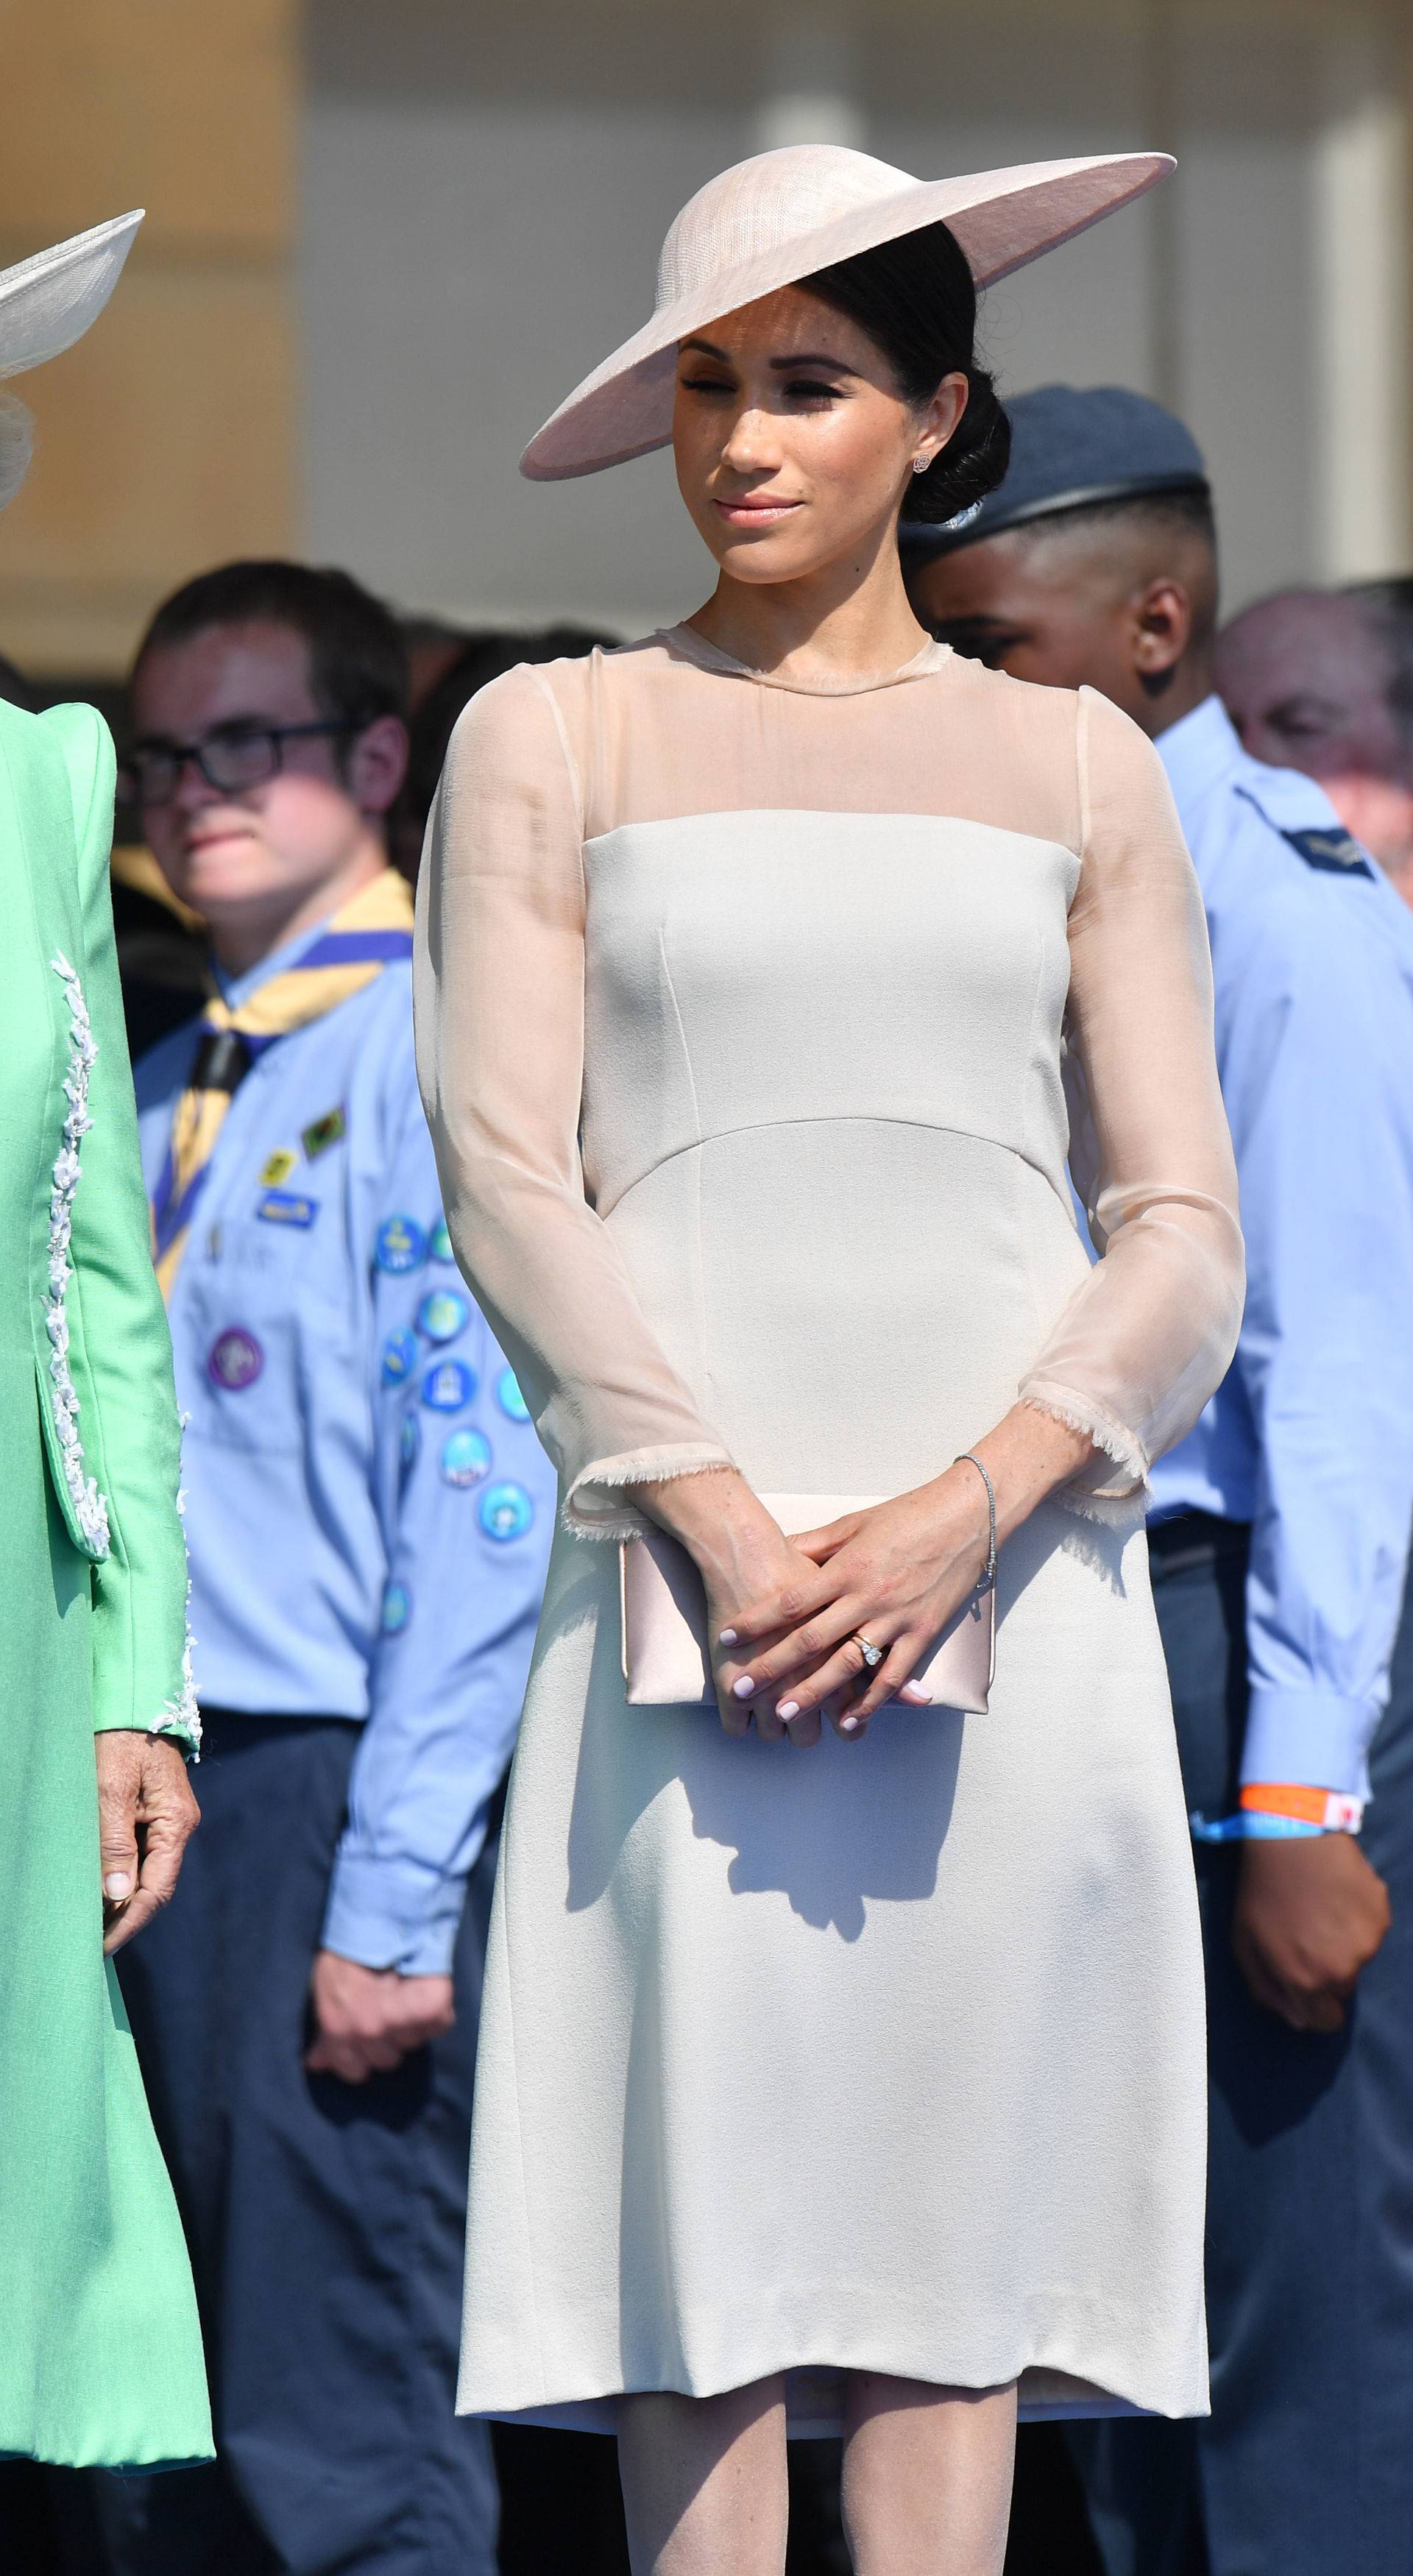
[499, 985]
[1150, 1334]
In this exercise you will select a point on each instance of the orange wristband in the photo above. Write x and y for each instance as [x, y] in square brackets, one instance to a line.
[1329, 1809]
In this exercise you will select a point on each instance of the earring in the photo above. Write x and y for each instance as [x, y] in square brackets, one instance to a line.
[921, 464]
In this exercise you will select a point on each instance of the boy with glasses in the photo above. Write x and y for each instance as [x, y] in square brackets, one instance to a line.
[368, 1513]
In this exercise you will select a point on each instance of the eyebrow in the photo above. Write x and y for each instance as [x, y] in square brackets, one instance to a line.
[783, 366]
[222, 724]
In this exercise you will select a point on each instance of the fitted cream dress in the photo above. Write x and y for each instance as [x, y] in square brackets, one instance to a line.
[756, 1020]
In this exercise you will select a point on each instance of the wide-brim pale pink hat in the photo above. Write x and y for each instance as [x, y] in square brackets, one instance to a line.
[775, 219]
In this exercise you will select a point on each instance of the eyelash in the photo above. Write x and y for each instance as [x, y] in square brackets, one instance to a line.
[802, 386]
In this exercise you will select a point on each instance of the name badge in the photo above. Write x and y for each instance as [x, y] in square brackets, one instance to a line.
[287, 1207]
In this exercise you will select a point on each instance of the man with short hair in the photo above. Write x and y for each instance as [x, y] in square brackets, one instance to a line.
[368, 1513]
[1322, 681]
[1278, 1539]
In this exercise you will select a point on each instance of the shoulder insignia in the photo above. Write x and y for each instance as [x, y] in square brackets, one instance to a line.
[323, 1132]
[1336, 852]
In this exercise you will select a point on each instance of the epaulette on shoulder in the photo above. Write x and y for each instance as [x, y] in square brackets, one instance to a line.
[1326, 846]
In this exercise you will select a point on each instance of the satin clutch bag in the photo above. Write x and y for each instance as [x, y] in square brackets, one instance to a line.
[665, 1663]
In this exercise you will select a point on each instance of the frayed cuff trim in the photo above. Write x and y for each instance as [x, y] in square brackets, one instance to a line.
[1111, 1436]
[585, 1516]
[90, 1508]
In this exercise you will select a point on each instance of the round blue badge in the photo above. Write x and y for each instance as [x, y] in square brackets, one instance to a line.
[466, 1458]
[397, 1608]
[399, 1245]
[448, 1386]
[441, 1242]
[509, 1397]
[505, 1511]
[236, 1360]
[400, 1356]
[442, 1315]
[409, 1441]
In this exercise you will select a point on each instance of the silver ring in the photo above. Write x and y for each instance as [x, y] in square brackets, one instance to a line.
[872, 1655]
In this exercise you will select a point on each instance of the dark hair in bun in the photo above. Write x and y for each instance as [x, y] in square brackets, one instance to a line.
[916, 298]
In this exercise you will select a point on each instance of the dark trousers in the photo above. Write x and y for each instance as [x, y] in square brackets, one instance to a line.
[325, 2220]
[1306, 2465]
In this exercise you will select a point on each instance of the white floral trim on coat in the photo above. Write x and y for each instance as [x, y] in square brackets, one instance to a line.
[90, 1508]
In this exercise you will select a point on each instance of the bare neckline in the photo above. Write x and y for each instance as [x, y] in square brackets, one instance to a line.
[686, 640]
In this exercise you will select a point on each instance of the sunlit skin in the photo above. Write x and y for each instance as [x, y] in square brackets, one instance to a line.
[1305, 679]
[1125, 609]
[262, 867]
[273, 861]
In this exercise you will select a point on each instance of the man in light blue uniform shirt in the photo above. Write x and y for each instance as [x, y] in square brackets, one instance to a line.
[1279, 1537]
[368, 1513]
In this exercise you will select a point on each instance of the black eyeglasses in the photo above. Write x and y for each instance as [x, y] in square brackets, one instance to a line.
[229, 757]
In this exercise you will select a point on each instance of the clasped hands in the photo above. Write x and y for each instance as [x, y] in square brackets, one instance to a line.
[785, 1612]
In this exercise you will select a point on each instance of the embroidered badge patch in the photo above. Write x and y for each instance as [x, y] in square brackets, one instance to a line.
[441, 1242]
[236, 1360]
[399, 1245]
[509, 1397]
[278, 1166]
[397, 1608]
[287, 1207]
[505, 1511]
[399, 1357]
[466, 1459]
[1334, 851]
[448, 1386]
[442, 1315]
[322, 1133]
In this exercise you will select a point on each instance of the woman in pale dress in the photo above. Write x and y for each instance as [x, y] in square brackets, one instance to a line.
[841, 2063]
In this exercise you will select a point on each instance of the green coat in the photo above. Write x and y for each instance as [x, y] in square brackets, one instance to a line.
[100, 2353]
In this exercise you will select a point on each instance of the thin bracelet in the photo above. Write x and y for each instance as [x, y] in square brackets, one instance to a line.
[968, 1458]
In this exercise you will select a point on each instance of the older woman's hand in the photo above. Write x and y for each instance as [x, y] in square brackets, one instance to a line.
[146, 1817]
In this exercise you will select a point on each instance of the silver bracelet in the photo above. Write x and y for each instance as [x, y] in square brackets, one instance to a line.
[968, 1458]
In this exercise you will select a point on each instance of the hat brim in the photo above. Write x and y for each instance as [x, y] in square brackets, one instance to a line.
[49, 301]
[1000, 219]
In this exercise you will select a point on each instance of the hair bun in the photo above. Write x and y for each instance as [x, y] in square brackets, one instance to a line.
[971, 464]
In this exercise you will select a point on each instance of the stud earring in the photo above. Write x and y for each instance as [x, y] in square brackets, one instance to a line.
[921, 464]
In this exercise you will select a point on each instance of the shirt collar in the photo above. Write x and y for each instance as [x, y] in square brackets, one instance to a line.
[235, 990]
[1200, 748]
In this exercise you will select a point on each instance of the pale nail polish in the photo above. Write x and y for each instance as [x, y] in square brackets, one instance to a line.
[788, 1708]
[745, 1688]
[917, 1691]
[848, 1725]
[117, 1885]
[727, 1637]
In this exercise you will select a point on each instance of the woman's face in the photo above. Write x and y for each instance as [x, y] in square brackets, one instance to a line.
[793, 442]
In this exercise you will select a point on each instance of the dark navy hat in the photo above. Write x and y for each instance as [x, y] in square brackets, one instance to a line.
[1072, 446]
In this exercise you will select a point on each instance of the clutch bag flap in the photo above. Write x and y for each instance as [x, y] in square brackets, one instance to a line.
[665, 1663]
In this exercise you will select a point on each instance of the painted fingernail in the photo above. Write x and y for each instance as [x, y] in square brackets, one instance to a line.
[727, 1637]
[117, 1885]
[917, 1691]
[848, 1725]
[787, 1708]
[745, 1688]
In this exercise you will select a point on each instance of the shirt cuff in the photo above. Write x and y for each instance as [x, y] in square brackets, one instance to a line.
[1314, 1737]
[393, 1914]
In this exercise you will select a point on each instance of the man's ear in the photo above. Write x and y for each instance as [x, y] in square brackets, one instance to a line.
[377, 764]
[1161, 630]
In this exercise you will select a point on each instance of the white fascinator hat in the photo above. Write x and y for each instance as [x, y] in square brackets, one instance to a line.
[780, 217]
[46, 304]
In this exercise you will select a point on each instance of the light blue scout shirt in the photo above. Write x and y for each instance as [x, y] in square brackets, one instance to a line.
[368, 1508]
[1310, 1437]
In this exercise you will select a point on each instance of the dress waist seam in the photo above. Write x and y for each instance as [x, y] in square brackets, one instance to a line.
[604, 1207]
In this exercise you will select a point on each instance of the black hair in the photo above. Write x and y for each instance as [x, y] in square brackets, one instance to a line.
[1388, 607]
[916, 299]
[357, 657]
